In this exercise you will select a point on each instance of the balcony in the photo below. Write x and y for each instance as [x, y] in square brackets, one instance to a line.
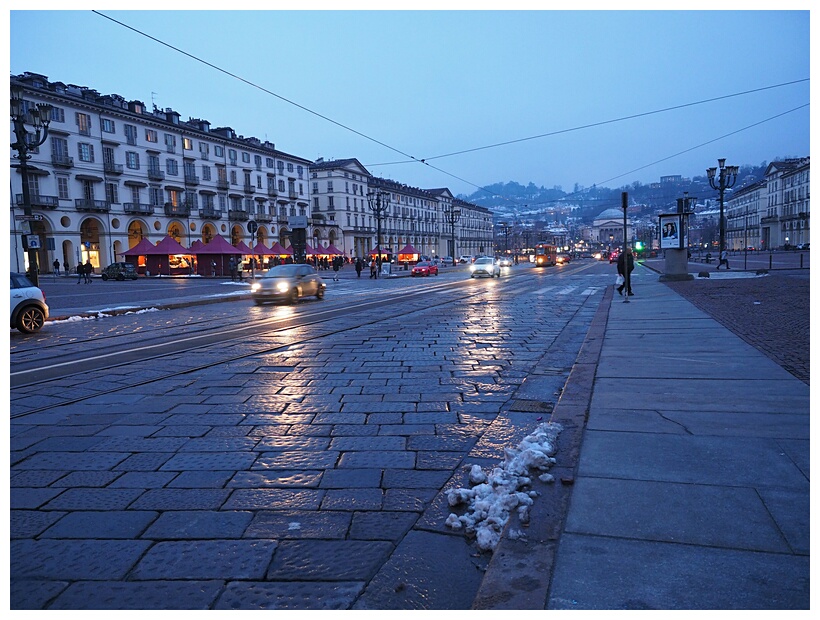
[89, 204]
[264, 217]
[250, 189]
[273, 192]
[64, 161]
[237, 215]
[210, 214]
[771, 219]
[191, 179]
[292, 195]
[138, 208]
[182, 210]
[155, 174]
[45, 202]
[204, 156]
[222, 184]
[110, 168]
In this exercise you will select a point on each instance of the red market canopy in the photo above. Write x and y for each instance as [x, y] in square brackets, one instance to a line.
[143, 248]
[244, 248]
[408, 249]
[167, 247]
[278, 250]
[309, 250]
[196, 245]
[218, 245]
[332, 249]
[260, 249]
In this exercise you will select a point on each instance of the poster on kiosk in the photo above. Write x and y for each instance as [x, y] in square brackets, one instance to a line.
[673, 231]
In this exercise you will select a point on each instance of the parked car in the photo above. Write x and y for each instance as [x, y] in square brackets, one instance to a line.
[287, 283]
[465, 258]
[485, 266]
[447, 260]
[424, 268]
[119, 271]
[505, 261]
[29, 310]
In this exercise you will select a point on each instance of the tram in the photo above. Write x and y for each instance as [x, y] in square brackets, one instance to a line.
[545, 255]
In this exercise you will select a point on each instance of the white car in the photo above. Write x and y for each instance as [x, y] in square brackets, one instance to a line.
[28, 304]
[287, 283]
[485, 266]
[465, 259]
[505, 261]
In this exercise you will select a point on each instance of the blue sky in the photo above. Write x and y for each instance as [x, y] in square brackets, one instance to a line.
[391, 88]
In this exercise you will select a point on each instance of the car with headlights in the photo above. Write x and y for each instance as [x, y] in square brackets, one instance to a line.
[29, 310]
[562, 258]
[287, 283]
[485, 266]
[465, 258]
[505, 261]
[424, 268]
[119, 271]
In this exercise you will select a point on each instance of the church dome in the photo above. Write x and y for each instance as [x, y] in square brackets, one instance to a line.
[611, 214]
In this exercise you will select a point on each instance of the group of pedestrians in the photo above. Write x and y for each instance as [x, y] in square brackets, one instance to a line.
[84, 272]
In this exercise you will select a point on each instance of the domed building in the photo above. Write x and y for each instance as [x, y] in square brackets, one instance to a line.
[608, 228]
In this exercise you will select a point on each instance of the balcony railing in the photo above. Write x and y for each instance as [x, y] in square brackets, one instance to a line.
[211, 214]
[191, 179]
[250, 189]
[181, 209]
[292, 194]
[155, 174]
[238, 215]
[89, 204]
[264, 217]
[138, 208]
[111, 168]
[272, 191]
[222, 184]
[62, 160]
[36, 200]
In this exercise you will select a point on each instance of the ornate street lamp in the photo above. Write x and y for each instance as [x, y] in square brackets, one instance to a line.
[725, 180]
[39, 117]
[379, 202]
[451, 215]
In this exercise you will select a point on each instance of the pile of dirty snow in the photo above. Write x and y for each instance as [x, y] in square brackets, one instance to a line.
[494, 496]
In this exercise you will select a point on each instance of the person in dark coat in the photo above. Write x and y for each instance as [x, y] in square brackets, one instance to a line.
[626, 261]
[359, 267]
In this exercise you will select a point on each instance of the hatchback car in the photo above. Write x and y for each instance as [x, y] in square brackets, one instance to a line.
[28, 304]
[119, 271]
[424, 268]
[287, 283]
[485, 266]
[505, 261]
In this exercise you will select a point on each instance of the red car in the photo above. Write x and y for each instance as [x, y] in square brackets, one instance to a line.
[424, 269]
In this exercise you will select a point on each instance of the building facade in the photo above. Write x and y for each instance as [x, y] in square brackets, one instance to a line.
[111, 173]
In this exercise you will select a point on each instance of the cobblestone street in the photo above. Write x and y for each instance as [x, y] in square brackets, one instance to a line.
[770, 313]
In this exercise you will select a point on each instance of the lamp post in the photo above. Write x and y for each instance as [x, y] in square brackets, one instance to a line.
[379, 202]
[39, 118]
[725, 180]
[451, 215]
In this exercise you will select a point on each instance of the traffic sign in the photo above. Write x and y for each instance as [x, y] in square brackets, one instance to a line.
[252, 227]
[29, 218]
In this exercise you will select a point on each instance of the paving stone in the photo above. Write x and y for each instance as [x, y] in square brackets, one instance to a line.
[181, 499]
[381, 525]
[352, 499]
[206, 559]
[200, 479]
[377, 460]
[414, 479]
[93, 499]
[74, 559]
[297, 459]
[22, 498]
[387, 442]
[187, 595]
[150, 461]
[32, 594]
[407, 499]
[219, 444]
[278, 499]
[284, 443]
[320, 560]
[72, 460]
[142, 480]
[351, 478]
[30, 523]
[298, 524]
[87, 479]
[199, 524]
[209, 461]
[290, 595]
[275, 478]
[110, 524]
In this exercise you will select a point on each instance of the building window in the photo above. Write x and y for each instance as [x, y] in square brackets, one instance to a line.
[316, 203]
[219, 151]
[107, 125]
[171, 166]
[232, 156]
[281, 167]
[111, 194]
[151, 135]
[246, 158]
[170, 142]
[132, 160]
[290, 167]
[59, 149]
[62, 188]
[269, 162]
[330, 186]
[155, 195]
[206, 173]
[187, 144]
[258, 181]
[57, 115]
[204, 148]
[84, 123]
[233, 177]
[281, 185]
[131, 134]
[86, 152]
[299, 171]
[330, 204]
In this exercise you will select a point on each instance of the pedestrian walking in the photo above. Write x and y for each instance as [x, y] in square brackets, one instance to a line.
[56, 265]
[724, 259]
[359, 267]
[626, 263]
[336, 266]
[232, 267]
[89, 269]
[66, 269]
[373, 268]
[80, 272]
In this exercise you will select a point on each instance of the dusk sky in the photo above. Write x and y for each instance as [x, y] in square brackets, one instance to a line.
[582, 97]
